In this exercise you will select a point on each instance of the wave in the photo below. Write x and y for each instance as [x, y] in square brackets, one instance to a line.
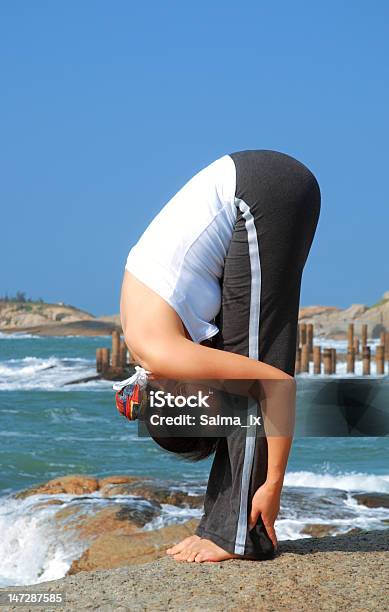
[48, 374]
[36, 547]
[345, 481]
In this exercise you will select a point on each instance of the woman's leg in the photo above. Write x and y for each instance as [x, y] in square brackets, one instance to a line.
[279, 205]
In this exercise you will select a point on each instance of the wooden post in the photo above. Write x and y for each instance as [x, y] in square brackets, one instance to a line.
[333, 361]
[99, 361]
[305, 358]
[115, 349]
[350, 335]
[104, 359]
[386, 350]
[327, 361]
[123, 354]
[303, 333]
[317, 360]
[350, 360]
[364, 334]
[382, 338]
[298, 361]
[380, 359]
[310, 339]
[356, 347]
[366, 360]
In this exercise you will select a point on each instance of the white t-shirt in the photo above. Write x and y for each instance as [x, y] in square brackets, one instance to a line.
[181, 253]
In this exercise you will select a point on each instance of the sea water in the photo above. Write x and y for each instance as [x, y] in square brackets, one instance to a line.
[49, 429]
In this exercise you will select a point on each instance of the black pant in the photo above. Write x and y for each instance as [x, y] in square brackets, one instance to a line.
[278, 201]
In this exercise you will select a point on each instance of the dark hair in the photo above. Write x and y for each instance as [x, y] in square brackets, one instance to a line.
[192, 449]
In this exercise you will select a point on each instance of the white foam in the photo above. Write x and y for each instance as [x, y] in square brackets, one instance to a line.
[347, 481]
[32, 549]
[48, 374]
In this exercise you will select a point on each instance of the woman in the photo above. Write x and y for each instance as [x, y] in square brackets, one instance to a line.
[211, 290]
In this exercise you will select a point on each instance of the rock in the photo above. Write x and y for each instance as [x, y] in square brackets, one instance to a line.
[337, 574]
[119, 479]
[354, 530]
[372, 500]
[109, 551]
[153, 492]
[74, 485]
[115, 520]
[20, 315]
[318, 530]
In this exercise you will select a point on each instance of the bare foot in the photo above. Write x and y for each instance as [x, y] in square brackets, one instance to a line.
[200, 550]
[178, 548]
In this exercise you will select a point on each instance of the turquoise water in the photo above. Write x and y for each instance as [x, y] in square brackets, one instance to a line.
[49, 429]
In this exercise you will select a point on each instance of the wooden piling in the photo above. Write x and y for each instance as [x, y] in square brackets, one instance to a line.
[317, 360]
[386, 344]
[327, 361]
[115, 349]
[310, 339]
[364, 335]
[380, 359]
[104, 359]
[303, 333]
[350, 360]
[350, 336]
[99, 362]
[366, 360]
[298, 361]
[382, 338]
[305, 358]
[123, 354]
[356, 348]
[333, 361]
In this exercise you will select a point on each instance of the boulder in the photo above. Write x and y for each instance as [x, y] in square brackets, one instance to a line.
[373, 500]
[110, 551]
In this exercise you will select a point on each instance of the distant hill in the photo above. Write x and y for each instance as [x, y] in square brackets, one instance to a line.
[63, 319]
[28, 314]
[332, 322]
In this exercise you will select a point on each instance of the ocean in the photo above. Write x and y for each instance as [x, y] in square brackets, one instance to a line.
[50, 429]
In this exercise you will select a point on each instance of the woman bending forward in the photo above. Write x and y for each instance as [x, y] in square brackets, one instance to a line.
[211, 290]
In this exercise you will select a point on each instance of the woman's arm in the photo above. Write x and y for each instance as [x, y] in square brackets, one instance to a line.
[278, 410]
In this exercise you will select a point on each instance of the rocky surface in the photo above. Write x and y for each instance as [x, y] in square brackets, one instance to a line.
[28, 314]
[109, 515]
[60, 319]
[332, 322]
[330, 573]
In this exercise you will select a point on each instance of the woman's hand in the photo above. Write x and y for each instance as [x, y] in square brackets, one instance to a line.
[266, 502]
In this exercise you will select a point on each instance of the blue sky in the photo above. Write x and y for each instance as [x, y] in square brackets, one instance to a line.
[107, 108]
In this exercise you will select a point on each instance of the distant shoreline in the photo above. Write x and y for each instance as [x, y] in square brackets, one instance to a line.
[43, 319]
[92, 327]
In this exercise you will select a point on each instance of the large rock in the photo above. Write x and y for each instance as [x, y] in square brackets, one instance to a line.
[336, 574]
[76, 484]
[153, 491]
[332, 322]
[109, 551]
[373, 500]
[21, 315]
[73, 484]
